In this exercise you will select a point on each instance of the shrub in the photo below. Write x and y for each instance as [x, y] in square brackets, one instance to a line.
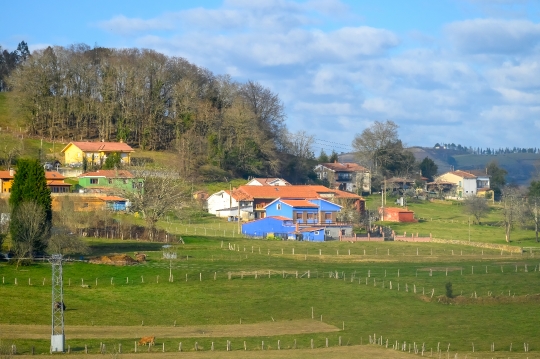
[449, 293]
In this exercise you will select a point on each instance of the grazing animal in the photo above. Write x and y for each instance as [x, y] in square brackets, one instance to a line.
[58, 305]
[147, 340]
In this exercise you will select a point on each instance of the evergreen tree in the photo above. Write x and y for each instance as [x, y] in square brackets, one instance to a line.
[113, 161]
[30, 186]
[323, 157]
[428, 168]
[333, 157]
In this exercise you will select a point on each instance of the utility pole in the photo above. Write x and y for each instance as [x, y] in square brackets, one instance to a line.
[58, 338]
[382, 199]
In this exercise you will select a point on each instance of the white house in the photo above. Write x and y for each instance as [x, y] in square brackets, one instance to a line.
[220, 200]
[267, 182]
[465, 183]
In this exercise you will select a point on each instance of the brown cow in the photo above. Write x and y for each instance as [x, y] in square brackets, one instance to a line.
[147, 340]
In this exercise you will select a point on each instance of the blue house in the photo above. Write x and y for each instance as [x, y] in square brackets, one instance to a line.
[296, 219]
[284, 228]
[302, 211]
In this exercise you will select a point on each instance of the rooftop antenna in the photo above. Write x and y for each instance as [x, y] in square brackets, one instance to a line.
[58, 338]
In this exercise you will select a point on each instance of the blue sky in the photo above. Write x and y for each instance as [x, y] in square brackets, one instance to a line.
[462, 71]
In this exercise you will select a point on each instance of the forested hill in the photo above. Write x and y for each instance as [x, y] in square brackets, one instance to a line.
[156, 102]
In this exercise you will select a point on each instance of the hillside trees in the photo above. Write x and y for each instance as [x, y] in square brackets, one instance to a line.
[476, 207]
[153, 102]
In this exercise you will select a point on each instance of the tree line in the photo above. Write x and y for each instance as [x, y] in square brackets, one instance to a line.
[155, 102]
[485, 151]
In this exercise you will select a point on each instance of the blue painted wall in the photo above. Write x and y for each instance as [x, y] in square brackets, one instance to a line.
[266, 225]
[313, 236]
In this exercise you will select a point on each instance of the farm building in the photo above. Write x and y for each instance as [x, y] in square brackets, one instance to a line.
[393, 214]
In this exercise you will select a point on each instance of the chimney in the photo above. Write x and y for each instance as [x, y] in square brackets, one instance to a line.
[11, 172]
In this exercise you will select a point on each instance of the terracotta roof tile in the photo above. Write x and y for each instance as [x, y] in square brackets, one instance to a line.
[5, 175]
[101, 146]
[53, 175]
[345, 167]
[463, 174]
[112, 198]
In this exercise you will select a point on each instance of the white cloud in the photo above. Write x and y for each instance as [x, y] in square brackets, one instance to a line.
[125, 26]
[494, 36]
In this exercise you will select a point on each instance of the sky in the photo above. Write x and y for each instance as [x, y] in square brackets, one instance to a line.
[448, 71]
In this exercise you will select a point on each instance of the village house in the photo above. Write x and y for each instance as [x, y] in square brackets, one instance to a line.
[55, 181]
[393, 214]
[299, 219]
[349, 177]
[6, 180]
[109, 181]
[95, 152]
[253, 199]
[464, 183]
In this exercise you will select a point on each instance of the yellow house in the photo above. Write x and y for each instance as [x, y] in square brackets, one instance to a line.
[95, 152]
[6, 181]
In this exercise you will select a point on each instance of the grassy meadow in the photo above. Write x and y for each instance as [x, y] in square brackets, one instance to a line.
[495, 297]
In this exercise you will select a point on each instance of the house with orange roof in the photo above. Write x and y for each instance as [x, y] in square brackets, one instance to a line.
[348, 176]
[251, 201]
[394, 214]
[299, 219]
[95, 152]
[464, 183]
[55, 181]
[6, 180]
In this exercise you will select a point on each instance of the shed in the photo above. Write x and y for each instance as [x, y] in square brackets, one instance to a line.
[393, 214]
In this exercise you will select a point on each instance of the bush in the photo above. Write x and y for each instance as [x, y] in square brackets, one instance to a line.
[449, 293]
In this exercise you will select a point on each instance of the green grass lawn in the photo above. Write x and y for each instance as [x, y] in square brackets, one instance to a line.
[504, 311]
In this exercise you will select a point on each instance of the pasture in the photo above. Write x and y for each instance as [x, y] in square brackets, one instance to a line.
[260, 295]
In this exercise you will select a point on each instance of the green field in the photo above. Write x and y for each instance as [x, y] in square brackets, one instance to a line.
[495, 302]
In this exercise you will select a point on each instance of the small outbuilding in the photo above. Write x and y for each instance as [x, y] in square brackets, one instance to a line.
[393, 214]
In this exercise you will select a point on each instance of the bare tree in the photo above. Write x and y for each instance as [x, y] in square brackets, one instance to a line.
[476, 207]
[162, 192]
[374, 139]
[63, 241]
[513, 209]
[31, 220]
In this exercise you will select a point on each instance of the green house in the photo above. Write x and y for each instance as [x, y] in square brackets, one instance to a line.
[104, 181]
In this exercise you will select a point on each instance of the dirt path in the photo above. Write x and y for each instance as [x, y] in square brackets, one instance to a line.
[17, 331]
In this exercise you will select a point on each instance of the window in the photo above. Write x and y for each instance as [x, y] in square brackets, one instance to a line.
[278, 207]
[110, 180]
[93, 180]
[298, 215]
[328, 216]
[85, 205]
[316, 233]
[133, 184]
[125, 181]
[310, 215]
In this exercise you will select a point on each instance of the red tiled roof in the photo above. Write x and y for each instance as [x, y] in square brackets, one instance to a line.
[49, 175]
[463, 174]
[345, 167]
[53, 175]
[343, 194]
[299, 203]
[101, 146]
[5, 175]
[109, 174]
[273, 192]
[57, 183]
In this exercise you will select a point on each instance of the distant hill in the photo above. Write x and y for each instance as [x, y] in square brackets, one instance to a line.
[521, 167]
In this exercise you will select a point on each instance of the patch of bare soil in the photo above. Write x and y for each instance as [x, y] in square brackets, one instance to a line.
[116, 260]
[235, 330]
